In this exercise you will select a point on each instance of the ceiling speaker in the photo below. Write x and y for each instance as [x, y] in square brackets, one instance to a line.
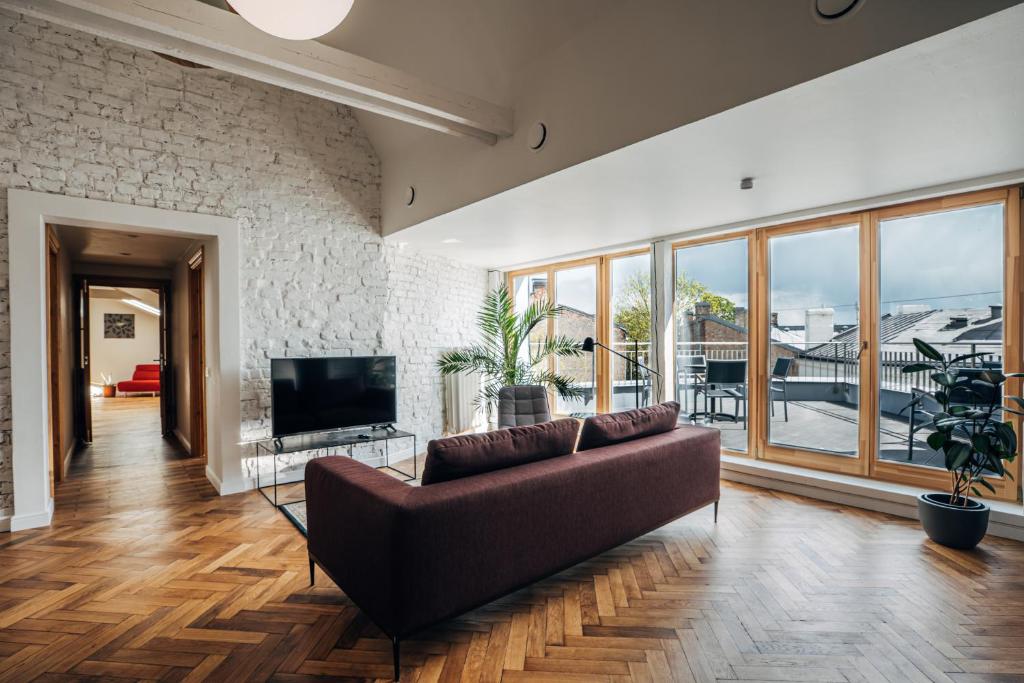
[537, 136]
[831, 10]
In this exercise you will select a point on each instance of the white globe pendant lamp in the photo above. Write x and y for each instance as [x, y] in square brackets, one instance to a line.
[293, 19]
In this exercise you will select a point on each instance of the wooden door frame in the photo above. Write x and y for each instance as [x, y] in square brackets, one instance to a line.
[197, 355]
[54, 347]
[754, 417]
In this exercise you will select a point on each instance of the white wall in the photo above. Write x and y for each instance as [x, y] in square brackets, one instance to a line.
[118, 357]
[91, 118]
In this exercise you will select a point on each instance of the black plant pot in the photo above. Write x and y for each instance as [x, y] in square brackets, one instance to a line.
[953, 526]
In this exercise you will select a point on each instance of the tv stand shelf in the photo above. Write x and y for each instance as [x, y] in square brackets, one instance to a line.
[323, 444]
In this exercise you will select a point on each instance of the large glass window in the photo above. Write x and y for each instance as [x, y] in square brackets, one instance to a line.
[527, 289]
[941, 280]
[629, 334]
[576, 292]
[813, 366]
[712, 337]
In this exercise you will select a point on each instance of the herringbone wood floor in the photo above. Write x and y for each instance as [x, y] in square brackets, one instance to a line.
[174, 583]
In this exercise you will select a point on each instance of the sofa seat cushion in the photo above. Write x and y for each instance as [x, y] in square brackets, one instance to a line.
[613, 428]
[469, 454]
[131, 385]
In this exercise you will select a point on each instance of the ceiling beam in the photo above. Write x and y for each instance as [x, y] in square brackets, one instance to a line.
[222, 40]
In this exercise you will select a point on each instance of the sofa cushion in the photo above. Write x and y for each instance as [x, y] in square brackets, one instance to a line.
[469, 454]
[612, 428]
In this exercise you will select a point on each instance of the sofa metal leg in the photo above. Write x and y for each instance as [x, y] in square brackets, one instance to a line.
[396, 654]
[716, 512]
[312, 572]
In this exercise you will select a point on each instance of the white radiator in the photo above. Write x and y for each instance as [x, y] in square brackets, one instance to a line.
[460, 413]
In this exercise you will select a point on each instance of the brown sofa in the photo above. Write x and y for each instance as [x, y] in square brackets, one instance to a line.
[412, 556]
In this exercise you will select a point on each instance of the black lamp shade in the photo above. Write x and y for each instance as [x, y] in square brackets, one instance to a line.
[588, 345]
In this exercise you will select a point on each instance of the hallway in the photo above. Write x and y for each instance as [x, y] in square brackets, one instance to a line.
[129, 465]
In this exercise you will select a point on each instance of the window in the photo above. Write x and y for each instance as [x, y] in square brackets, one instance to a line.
[711, 318]
[607, 298]
[833, 308]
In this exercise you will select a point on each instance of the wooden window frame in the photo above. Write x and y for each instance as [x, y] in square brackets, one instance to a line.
[1013, 303]
[752, 367]
[603, 319]
[867, 463]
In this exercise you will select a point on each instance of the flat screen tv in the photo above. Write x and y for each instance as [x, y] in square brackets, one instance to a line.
[321, 394]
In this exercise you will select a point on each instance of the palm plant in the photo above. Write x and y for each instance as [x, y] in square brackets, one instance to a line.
[500, 357]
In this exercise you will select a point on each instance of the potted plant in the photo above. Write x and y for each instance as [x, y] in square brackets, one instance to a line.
[973, 437]
[506, 356]
[109, 388]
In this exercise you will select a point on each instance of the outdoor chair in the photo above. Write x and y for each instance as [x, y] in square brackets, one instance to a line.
[690, 372]
[923, 407]
[777, 385]
[725, 379]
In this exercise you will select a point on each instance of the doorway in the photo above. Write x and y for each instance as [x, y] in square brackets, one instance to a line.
[124, 384]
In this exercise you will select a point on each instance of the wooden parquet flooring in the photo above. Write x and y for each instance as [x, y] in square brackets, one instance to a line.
[188, 586]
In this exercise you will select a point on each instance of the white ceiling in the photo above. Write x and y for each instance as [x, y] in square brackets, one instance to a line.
[945, 109]
[146, 296]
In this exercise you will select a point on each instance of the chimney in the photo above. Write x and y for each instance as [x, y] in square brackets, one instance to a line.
[702, 308]
[819, 325]
[775, 319]
[741, 316]
[957, 322]
[997, 311]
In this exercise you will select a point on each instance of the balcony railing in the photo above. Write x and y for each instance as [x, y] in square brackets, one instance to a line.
[840, 362]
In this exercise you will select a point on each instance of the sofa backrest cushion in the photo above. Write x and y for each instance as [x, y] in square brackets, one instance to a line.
[146, 371]
[469, 454]
[612, 428]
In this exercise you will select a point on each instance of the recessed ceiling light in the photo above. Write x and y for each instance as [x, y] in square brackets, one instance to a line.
[451, 240]
[410, 195]
[135, 303]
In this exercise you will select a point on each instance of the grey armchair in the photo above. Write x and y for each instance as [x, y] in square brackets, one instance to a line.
[524, 404]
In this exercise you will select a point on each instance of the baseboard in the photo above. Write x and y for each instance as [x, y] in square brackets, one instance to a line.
[214, 480]
[182, 440]
[67, 456]
[32, 520]
[227, 488]
[1006, 519]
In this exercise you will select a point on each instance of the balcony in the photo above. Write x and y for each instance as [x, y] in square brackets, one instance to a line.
[818, 409]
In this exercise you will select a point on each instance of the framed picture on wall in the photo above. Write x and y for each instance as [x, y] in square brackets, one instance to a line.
[119, 326]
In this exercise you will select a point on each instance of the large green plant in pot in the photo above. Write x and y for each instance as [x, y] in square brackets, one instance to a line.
[505, 355]
[976, 441]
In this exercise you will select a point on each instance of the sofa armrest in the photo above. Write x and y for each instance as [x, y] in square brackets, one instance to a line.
[353, 515]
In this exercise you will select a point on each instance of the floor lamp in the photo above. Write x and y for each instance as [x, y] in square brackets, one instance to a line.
[588, 346]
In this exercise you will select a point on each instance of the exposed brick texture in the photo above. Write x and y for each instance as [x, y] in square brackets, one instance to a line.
[87, 117]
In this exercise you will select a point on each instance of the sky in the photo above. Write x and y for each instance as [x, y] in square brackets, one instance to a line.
[951, 259]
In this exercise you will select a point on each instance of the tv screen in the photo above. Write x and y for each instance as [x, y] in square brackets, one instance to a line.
[320, 394]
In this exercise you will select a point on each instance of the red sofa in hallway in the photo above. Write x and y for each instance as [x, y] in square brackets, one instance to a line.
[146, 378]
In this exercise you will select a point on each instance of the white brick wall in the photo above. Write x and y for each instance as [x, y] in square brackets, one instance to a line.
[87, 117]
